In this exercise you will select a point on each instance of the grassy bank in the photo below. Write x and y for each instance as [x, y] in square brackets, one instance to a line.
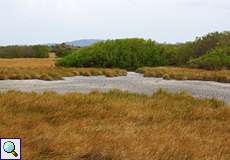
[116, 126]
[186, 74]
[44, 69]
[56, 73]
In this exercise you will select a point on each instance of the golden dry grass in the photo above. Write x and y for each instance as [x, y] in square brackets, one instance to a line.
[56, 73]
[116, 126]
[31, 68]
[186, 74]
[27, 62]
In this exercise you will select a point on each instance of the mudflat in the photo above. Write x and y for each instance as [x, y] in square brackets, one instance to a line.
[133, 82]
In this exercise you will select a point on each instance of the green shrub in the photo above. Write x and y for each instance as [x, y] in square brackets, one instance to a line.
[181, 53]
[216, 59]
[210, 52]
[124, 53]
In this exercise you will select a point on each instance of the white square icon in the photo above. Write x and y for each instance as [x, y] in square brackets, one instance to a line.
[10, 149]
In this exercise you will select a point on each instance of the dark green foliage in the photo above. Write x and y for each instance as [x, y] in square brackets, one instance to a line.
[209, 42]
[216, 59]
[171, 53]
[36, 51]
[180, 54]
[63, 49]
[126, 53]
[40, 51]
[209, 52]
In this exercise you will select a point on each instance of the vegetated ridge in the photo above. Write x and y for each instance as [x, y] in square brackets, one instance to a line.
[211, 51]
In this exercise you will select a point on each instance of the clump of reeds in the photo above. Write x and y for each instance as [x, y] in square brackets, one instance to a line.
[186, 74]
[56, 73]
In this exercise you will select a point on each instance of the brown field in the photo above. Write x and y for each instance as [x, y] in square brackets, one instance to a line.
[116, 126]
[31, 68]
[186, 74]
[27, 62]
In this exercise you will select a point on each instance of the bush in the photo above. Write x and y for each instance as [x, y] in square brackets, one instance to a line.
[180, 54]
[216, 59]
[135, 53]
[124, 53]
[63, 49]
[37, 51]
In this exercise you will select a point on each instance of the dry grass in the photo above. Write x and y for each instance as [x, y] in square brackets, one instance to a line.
[56, 73]
[45, 69]
[116, 126]
[186, 74]
[27, 62]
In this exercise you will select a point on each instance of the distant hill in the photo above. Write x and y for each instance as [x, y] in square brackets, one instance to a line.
[83, 42]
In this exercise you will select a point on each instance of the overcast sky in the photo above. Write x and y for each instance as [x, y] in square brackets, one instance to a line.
[47, 21]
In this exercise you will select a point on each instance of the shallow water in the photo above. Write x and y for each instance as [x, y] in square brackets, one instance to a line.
[133, 82]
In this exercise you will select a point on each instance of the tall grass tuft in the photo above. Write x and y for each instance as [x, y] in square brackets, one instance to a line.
[116, 125]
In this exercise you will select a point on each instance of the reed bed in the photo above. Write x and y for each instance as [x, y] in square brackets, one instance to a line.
[116, 126]
[186, 74]
[44, 69]
[56, 73]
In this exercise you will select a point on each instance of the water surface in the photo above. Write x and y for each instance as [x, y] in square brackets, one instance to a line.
[133, 82]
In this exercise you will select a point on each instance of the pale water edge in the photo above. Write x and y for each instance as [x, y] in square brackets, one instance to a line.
[133, 82]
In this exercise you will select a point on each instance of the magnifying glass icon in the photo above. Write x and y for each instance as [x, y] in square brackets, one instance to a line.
[9, 147]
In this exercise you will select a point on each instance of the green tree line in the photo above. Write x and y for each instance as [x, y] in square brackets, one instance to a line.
[211, 51]
[36, 51]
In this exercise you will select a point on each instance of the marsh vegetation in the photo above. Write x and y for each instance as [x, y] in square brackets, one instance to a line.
[186, 74]
[119, 125]
[116, 126]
